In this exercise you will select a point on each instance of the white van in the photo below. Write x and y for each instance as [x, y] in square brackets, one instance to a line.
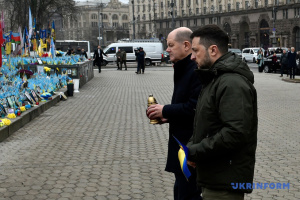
[250, 54]
[154, 52]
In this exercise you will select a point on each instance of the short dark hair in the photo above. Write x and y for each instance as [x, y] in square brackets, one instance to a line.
[212, 35]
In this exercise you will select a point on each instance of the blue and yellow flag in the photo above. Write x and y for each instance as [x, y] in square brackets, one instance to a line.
[182, 156]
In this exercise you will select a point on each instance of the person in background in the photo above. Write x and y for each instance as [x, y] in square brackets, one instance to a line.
[292, 63]
[124, 58]
[223, 145]
[274, 62]
[260, 61]
[83, 53]
[140, 55]
[180, 113]
[78, 52]
[98, 57]
[284, 63]
[119, 59]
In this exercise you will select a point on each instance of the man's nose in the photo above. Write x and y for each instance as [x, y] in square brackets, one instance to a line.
[193, 57]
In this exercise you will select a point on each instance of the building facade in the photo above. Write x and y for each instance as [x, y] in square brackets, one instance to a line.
[248, 23]
[109, 22]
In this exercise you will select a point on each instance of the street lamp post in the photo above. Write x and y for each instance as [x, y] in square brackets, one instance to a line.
[173, 22]
[99, 28]
[133, 22]
[274, 30]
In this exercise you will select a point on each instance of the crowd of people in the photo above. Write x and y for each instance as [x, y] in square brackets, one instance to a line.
[287, 60]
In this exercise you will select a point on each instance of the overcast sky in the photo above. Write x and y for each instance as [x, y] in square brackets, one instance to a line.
[103, 1]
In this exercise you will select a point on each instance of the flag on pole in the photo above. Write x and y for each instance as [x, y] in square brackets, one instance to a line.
[52, 48]
[53, 30]
[1, 42]
[15, 38]
[30, 28]
[8, 43]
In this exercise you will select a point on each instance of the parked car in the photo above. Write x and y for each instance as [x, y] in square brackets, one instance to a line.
[166, 57]
[236, 51]
[270, 67]
[250, 54]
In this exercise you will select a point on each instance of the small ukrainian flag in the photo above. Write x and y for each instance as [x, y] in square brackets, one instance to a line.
[182, 156]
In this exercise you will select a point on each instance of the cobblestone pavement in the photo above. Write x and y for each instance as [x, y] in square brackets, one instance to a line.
[100, 145]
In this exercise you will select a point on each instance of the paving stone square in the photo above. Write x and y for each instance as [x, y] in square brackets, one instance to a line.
[99, 144]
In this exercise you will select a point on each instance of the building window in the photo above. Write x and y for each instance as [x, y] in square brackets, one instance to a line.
[180, 23]
[256, 3]
[115, 24]
[144, 8]
[220, 8]
[182, 12]
[149, 16]
[182, 3]
[218, 20]
[168, 3]
[161, 4]
[94, 24]
[197, 2]
[229, 7]
[104, 16]
[288, 1]
[276, 2]
[237, 6]
[125, 25]
[202, 21]
[175, 4]
[195, 22]
[138, 8]
[188, 23]
[94, 16]
[246, 5]
[162, 15]
[167, 24]
[210, 20]
[124, 17]
[266, 2]
[115, 17]
[175, 13]
[197, 11]
[160, 25]
[204, 10]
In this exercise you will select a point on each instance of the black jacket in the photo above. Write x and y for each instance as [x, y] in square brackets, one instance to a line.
[225, 129]
[284, 59]
[98, 57]
[180, 113]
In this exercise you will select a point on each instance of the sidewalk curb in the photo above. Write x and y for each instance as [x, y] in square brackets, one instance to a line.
[291, 80]
[29, 115]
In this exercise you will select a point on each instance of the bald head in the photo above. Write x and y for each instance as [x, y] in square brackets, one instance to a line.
[179, 44]
[181, 34]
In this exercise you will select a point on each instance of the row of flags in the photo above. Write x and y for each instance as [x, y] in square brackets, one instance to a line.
[29, 38]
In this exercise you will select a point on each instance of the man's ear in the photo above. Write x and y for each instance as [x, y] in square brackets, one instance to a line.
[187, 45]
[213, 50]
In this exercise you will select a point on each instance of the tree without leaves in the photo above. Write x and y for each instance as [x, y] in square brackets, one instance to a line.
[42, 10]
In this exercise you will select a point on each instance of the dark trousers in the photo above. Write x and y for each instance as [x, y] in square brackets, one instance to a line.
[141, 66]
[292, 71]
[282, 68]
[209, 194]
[186, 190]
[98, 63]
[119, 64]
[124, 62]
